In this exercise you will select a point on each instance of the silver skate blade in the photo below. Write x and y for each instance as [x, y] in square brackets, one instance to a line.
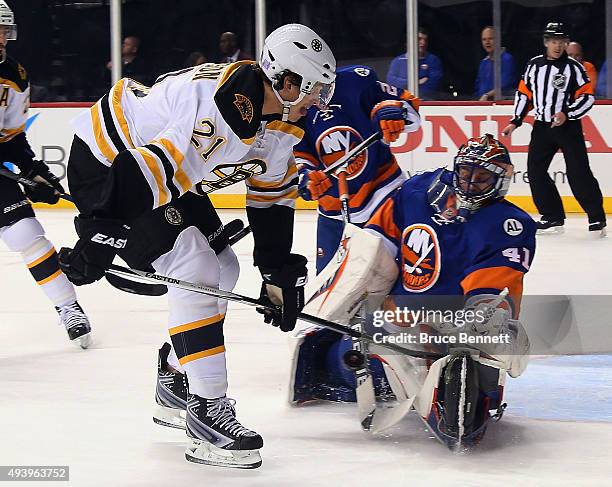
[169, 417]
[385, 418]
[603, 233]
[207, 454]
[551, 231]
[84, 341]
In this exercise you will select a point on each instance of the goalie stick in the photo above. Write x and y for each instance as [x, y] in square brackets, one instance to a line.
[238, 298]
[236, 230]
[365, 392]
[28, 182]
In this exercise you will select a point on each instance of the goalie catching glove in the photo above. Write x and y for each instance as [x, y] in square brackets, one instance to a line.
[99, 241]
[284, 287]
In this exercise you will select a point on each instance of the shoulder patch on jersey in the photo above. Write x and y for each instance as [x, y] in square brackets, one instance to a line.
[513, 227]
[362, 71]
[14, 75]
[239, 99]
[244, 106]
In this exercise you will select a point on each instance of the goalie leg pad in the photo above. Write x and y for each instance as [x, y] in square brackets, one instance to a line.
[319, 371]
[467, 391]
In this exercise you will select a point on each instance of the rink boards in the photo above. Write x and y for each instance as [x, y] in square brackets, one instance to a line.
[445, 127]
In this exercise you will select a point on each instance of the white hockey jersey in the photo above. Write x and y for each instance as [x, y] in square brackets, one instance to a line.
[198, 129]
[14, 99]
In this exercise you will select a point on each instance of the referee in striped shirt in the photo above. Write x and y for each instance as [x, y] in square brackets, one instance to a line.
[560, 91]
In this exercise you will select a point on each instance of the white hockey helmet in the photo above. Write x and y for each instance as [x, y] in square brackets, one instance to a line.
[298, 49]
[7, 19]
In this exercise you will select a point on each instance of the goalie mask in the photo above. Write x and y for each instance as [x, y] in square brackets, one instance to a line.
[297, 49]
[482, 172]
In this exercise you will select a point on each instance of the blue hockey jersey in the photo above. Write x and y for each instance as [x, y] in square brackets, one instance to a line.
[331, 133]
[491, 251]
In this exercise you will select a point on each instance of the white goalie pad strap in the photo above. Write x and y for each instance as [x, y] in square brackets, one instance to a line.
[361, 268]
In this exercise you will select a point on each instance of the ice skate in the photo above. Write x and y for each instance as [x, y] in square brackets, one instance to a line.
[550, 227]
[217, 438]
[170, 393]
[76, 323]
[598, 229]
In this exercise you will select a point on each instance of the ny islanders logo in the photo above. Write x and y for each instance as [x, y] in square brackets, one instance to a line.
[420, 258]
[337, 141]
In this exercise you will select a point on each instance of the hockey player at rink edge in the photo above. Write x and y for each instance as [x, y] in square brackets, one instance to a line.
[20, 230]
[360, 106]
[140, 169]
[443, 233]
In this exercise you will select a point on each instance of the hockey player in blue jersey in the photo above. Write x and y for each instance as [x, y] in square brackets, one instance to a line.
[361, 105]
[444, 233]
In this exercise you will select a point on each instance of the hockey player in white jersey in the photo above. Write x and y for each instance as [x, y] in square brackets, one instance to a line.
[141, 165]
[19, 228]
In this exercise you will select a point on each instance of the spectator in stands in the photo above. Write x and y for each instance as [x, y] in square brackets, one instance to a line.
[484, 85]
[602, 84]
[574, 50]
[134, 65]
[230, 49]
[194, 59]
[430, 69]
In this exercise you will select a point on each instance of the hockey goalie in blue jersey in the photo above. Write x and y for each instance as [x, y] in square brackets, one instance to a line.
[361, 105]
[443, 234]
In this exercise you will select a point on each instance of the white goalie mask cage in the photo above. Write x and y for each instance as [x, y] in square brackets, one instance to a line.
[7, 19]
[297, 48]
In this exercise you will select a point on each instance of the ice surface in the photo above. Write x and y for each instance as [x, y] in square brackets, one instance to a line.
[92, 409]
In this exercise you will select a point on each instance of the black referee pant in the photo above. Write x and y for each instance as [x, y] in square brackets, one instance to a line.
[545, 141]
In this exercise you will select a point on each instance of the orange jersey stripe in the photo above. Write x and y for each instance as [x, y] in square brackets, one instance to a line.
[307, 156]
[522, 87]
[585, 88]
[410, 98]
[496, 278]
[383, 218]
[331, 203]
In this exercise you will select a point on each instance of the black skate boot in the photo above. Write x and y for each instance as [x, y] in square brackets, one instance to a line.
[170, 393]
[217, 438]
[545, 226]
[599, 227]
[76, 323]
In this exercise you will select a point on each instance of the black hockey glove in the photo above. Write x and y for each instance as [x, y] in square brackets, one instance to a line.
[47, 193]
[284, 287]
[99, 241]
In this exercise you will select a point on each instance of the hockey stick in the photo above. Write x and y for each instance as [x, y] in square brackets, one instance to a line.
[344, 160]
[365, 392]
[235, 229]
[238, 298]
[28, 182]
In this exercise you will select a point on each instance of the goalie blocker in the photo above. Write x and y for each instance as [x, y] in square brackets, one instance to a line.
[455, 396]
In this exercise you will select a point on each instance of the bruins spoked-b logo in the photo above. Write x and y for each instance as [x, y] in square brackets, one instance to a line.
[173, 216]
[558, 81]
[420, 258]
[227, 174]
[317, 46]
[244, 106]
